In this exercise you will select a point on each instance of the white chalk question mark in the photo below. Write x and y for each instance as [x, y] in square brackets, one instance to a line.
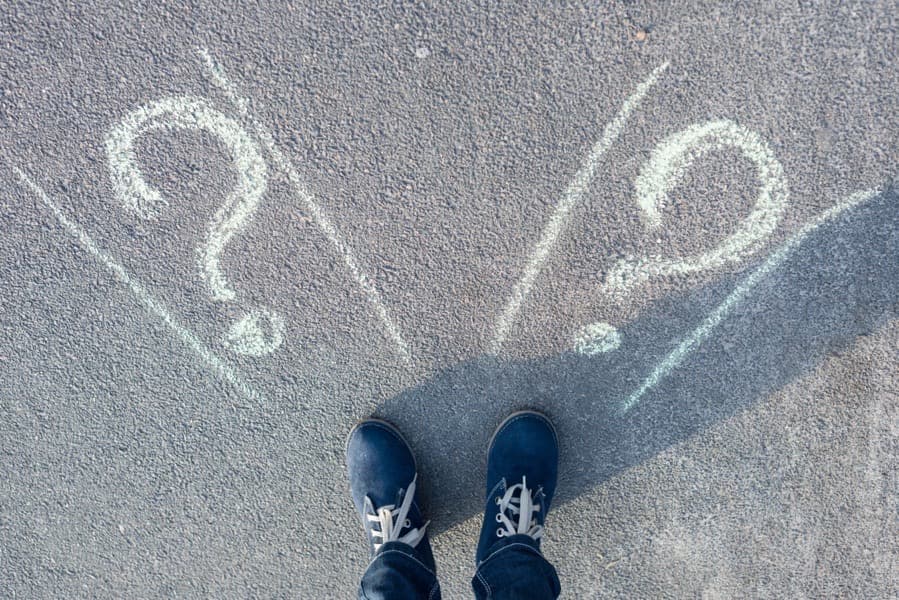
[666, 167]
[248, 335]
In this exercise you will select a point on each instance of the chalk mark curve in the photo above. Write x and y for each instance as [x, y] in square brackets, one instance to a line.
[562, 214]
[215, 363]
[693, 341]
[220, 79]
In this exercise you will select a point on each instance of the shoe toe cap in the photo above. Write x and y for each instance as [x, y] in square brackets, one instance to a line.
[525, 445]
[379, 462]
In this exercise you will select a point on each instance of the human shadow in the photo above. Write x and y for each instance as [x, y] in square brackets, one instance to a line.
[840, 283]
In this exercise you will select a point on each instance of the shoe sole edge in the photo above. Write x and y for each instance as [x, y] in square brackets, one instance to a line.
[519, 413]
[387, 425]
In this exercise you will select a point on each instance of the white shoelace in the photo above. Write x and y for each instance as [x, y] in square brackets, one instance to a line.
[393, 521]
[518, 500]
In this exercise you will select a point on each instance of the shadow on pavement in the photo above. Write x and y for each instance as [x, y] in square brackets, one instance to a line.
[842, 282]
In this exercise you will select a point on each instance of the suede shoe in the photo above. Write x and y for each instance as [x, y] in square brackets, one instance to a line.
[382, 477]
[522, 468]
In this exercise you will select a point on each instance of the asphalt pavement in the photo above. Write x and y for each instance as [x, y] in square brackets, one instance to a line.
[230, 230]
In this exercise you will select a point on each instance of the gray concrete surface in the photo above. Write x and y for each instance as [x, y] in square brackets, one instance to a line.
[438, 140]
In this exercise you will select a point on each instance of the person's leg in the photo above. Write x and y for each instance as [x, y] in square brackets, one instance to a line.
[382, 476]
[522, 465]
[397, 573]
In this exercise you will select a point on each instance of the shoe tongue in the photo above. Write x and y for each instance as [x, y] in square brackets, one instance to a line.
[413, 514]
[379, 501]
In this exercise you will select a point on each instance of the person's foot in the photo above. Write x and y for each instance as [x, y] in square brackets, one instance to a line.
[382, 477]
[522, 466]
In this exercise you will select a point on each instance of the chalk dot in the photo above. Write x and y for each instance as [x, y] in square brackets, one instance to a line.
[422, 53]
[596, 338]
[256, 334]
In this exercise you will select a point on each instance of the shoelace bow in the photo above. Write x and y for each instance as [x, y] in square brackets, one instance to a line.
[393, 521]
[518, 500]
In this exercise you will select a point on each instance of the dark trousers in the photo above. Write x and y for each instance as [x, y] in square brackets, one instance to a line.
[513, 570]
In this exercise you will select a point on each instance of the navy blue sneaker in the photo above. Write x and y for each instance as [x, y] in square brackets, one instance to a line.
[382, 481]
[522, 467]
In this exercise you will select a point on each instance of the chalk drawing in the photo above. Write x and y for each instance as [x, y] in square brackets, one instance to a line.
[596, 338]
[216, 364]
[560, 217]
[701, 333]
[190, 113]
[248, 335]
[665, 169]
[218, 77]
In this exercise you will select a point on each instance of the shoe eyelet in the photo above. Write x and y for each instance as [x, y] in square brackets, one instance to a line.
[500, 531]
[407, 523]
[499, 517]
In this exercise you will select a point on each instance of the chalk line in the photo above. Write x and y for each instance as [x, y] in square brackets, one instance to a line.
[217, 365]
[666, 167]
[559, 219]
[695, 339]
[248, 335]
[186, 112]
[218, 76]
[596, 338]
